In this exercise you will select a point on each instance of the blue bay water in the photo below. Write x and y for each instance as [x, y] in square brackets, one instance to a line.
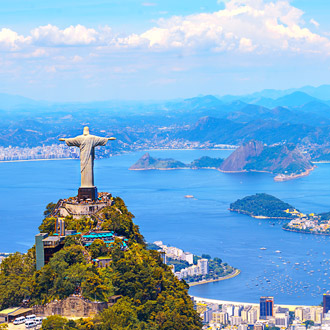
[297, 275]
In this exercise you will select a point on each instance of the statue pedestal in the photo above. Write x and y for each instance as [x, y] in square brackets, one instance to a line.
[87, 193]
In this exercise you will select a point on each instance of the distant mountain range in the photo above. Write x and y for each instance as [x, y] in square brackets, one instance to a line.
[321, 92]
[299, 116]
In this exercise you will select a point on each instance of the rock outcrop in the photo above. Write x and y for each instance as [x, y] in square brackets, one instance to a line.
[283, 159]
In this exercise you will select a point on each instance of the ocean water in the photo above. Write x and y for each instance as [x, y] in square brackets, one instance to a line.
[299, 274]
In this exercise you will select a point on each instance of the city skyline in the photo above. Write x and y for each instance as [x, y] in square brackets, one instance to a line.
[86, 51]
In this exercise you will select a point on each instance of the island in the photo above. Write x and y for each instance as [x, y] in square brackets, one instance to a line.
[146, 162]
[285, 161]
[264, 206]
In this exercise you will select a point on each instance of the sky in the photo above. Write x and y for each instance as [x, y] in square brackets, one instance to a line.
[88, 50]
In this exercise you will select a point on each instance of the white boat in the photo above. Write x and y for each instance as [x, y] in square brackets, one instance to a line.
[278, 251]
[263, 248]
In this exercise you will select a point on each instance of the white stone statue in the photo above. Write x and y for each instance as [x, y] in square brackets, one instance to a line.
[87, 143]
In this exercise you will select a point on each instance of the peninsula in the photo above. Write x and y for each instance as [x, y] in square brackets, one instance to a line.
[286, 161]
[263, 206]
[192, 268]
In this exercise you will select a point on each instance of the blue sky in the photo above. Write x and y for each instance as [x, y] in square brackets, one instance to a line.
[97, 50]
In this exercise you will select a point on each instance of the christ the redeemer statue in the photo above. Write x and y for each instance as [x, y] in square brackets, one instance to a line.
[87, 143]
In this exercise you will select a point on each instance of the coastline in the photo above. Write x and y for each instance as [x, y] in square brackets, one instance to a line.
[304, 232]
[223, 302]
[172, 168]
[278, 177]
[283, 177]
[258, 216]
[119, 153]
[33, 160]
[159, 169]
[227, 277]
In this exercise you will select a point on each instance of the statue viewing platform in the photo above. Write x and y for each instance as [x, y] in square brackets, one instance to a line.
[77, 208]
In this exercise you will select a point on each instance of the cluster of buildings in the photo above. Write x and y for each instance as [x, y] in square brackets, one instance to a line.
[42, 152]
[308, 223]
[55, 151]
[242, 316]
[172, 252]
[202, 268]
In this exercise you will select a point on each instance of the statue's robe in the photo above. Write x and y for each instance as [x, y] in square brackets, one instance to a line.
[86, 144]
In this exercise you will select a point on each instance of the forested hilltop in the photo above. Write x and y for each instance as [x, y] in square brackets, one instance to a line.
[146, 162]
[263, 205]
[152, 297]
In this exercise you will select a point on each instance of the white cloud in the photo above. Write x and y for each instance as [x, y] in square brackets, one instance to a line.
[243, 26]
[37, 53]
[245, 45]
[11, 40]
[78, 35]
[148, 4]
[315, 23]
[77, 59]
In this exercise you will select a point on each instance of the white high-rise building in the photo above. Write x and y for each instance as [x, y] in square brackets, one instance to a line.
[253, 315]
[237, 310]
[242, 327]
[244, 313]
[189, 257]
[282, 319]
[203, 264]
[235, 320]
[220, 317]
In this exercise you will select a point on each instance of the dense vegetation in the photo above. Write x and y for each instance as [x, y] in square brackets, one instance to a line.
[152, 298]
[206, 162]
[146, 162]
[262, 205]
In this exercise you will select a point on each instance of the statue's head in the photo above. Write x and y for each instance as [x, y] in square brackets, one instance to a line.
[86, 130]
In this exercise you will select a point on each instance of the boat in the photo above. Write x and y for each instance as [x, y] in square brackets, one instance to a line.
[278, 251]
[189, 196]
[263, 248]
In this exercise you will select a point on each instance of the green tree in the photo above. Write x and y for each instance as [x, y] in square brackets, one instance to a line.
[48, 226]
[308, 323]
[49, 209]
[54, 322]
[98, 248]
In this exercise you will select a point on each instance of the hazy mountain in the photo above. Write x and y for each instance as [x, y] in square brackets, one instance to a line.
[8, 101]
[255, 156]
[294, 100]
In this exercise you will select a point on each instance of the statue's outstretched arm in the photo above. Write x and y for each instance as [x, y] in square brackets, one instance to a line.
[71, 142]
